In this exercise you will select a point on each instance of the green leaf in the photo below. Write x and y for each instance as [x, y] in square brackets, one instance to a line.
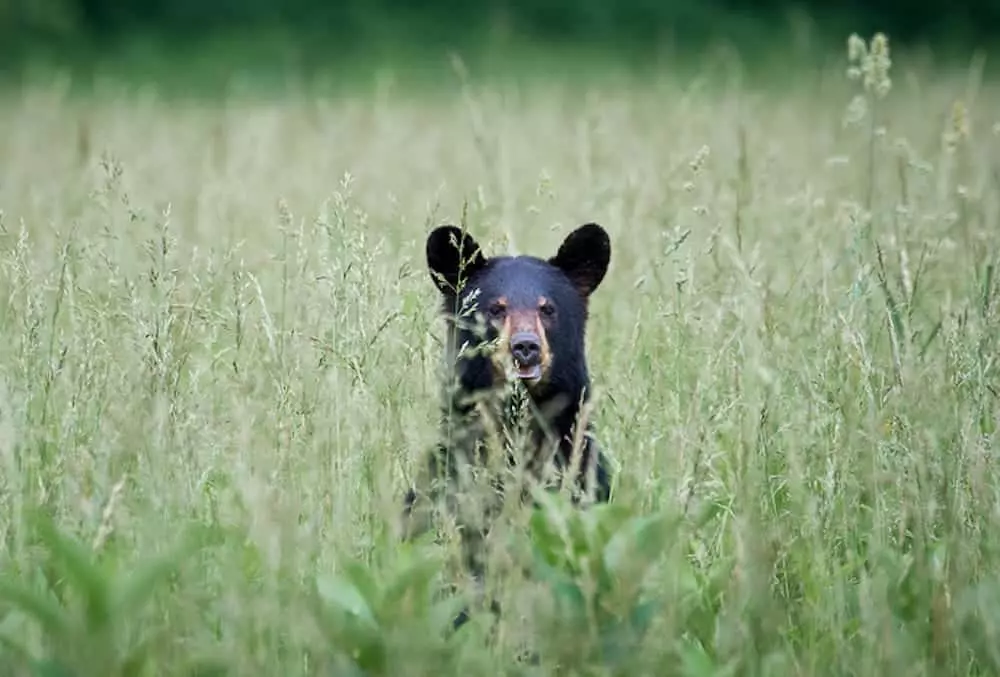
[360, 577]
[414, 580]
[353, 637]
[638, 544]
[546, 541]
[340, 594]
[11, 646]
[50, 668]
[139, 587]
[608, 521]
[695, 661]
[135, 660]
[643, 614]
[208, 669]
[571, 599]
[546, 572]
[618, 643]
[46, 611]
[78, 566]
[579, 537]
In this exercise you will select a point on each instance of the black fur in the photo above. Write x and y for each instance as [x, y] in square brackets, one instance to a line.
[470, 284]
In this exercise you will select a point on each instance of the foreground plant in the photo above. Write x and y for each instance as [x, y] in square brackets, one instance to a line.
[594, 565]
[392, 620]
[85, 608]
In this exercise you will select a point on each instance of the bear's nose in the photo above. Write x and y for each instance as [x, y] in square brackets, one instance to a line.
[526, 348]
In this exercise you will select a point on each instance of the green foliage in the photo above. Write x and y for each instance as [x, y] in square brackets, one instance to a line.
[638, 19]
[85, 607]
[390, 622]
[217, 313]
[594, 607]
[594, 564]
[310, 36]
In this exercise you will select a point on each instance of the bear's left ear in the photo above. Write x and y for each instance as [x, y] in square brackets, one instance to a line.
[584, 256]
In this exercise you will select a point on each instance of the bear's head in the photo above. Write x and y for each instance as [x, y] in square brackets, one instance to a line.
[519, 317]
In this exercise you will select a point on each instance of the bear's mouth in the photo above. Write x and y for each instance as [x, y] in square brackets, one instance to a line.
[528, 372]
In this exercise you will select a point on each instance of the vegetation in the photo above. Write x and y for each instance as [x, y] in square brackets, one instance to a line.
[314, 36]
[220, 363]
[627, 20]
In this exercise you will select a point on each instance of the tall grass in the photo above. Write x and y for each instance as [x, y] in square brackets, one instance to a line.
[220, 358]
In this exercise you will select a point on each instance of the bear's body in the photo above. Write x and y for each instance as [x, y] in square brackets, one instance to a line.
[517, 409]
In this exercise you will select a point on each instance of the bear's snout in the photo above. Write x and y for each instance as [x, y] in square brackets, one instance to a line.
[526, 349]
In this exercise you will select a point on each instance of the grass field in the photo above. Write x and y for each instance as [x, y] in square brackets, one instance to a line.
[220, 357]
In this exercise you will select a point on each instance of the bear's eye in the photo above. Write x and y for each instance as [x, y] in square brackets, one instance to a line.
[496, 310]
[547, 310]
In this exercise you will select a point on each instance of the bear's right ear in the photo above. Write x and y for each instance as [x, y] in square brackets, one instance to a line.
[452, 256]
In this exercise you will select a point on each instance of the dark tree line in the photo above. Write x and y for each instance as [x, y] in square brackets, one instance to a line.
[636, 21]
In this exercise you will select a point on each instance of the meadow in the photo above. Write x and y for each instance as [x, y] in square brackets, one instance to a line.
[220, 362]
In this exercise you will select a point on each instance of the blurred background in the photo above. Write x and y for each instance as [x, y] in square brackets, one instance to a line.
[207, 40]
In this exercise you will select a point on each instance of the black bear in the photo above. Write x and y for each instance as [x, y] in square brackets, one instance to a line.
[520, 383]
